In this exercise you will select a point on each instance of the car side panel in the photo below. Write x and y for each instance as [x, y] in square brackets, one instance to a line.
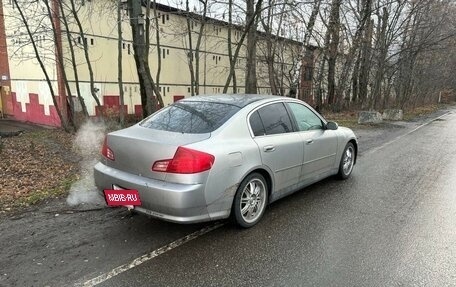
[236, 155]
[320, 150]
[285, 160]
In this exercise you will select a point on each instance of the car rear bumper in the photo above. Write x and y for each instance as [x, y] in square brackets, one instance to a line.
[181, 203]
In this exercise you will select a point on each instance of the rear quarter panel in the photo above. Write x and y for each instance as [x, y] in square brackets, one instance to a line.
[236, 155]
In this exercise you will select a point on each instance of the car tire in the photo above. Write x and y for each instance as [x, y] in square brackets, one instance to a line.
[250, 200]
[347, 161]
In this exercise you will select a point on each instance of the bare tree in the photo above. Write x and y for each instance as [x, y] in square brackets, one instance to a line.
[239, 44]
[73, 60]
[86, 52]
[141, 56]
[24, 20]
[67, 102]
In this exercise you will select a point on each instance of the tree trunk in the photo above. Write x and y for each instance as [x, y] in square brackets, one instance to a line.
[381, 59]
[86, 53]
[251, 86]
[333, 27]
[198, 47]
[230, 48]
[67, 104]
[239, 45]
[73, 62]
[355, 79]
[157, 40]
[119, 63]
[365, 63]
[146, 83]
[190, 49]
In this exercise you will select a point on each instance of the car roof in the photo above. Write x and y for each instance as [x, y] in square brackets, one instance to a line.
[239, 100]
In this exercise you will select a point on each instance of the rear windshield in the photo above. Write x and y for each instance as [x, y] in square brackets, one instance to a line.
[191, 117]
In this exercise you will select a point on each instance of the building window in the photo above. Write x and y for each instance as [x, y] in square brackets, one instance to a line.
[165, 52]
[216, 59]
[188, 89]
[91, 41]
[128, 46]
[167, 17]
[163, 18]
[167, 89]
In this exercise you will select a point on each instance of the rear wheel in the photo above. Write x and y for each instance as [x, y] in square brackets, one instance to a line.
[347, 161]
[250, 200]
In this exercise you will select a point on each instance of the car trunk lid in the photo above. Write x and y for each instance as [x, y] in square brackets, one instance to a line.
[136, 149]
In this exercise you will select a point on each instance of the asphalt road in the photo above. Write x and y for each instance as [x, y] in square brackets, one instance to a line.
[393, 223]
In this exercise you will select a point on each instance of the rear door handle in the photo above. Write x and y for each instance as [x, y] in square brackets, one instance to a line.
[269, 148]
[309, 141]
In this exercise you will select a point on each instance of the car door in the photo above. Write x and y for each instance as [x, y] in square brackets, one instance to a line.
[320, 144]
[281, 149]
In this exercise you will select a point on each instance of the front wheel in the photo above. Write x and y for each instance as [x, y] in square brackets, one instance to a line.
[347, 161]
[250, 200]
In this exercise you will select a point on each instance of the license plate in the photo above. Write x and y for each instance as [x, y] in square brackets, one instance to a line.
[118, 196]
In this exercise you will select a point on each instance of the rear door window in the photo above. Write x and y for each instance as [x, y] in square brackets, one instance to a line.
[275, 119]
[257, 125]
[191, 117]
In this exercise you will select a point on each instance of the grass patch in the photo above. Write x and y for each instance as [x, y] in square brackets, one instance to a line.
[417, 112]
[36, 197]
[344, 119]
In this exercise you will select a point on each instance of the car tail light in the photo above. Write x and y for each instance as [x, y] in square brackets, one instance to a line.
[185, 161]
[106, 151]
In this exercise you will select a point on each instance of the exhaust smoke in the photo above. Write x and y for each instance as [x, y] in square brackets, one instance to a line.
[88, 142]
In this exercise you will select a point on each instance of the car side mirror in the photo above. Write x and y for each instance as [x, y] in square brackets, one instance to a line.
[332, 126]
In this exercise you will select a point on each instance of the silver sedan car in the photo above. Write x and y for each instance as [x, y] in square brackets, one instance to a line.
[211, 157]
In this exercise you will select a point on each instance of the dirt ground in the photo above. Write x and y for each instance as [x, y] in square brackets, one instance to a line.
[35, 164]
[44, 237]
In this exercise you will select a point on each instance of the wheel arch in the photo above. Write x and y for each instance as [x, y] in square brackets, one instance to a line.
[267, 176]
[268, 179]
[355, 144]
